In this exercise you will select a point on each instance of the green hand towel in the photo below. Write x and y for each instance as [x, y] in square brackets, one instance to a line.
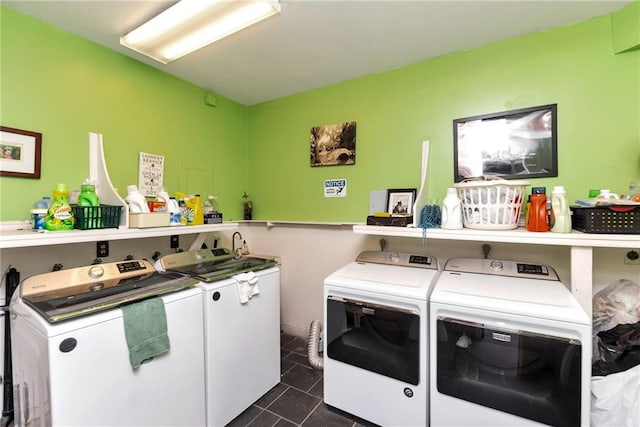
[145, 327]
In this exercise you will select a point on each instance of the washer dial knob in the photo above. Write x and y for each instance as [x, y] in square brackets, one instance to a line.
[394, 257]
[96, 271]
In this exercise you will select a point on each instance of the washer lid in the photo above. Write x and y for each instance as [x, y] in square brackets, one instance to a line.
[392, 280]
[548, 299]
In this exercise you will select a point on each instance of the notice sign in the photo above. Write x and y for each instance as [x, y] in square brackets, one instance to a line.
[150, 173]
[335, 188]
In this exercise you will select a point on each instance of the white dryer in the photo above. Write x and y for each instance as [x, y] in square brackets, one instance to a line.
[71, 364]
[242, 339]
[376, 337]
[510, 346]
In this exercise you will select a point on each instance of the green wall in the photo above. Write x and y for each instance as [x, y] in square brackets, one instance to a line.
[64, 87]
[61, 85]
[597, 92]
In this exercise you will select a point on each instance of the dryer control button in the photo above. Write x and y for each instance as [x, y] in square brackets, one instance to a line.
[96, 271]
[394, 257]
[496, 266]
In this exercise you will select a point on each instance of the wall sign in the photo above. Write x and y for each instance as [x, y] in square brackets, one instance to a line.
[150, 173]
[335, 188]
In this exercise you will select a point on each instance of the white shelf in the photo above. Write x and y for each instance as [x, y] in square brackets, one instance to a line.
[520, 235]
[19, 234]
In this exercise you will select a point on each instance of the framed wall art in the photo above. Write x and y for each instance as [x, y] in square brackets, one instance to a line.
[21, 152]
[400, 201]
[333, 144]
[511, 144]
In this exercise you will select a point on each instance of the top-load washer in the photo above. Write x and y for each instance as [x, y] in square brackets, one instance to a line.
[71, 357]
[242, 334]
[510, 346]
[375, 337]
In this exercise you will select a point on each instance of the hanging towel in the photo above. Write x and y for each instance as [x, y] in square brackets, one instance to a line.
[145, 328]
[247, 286]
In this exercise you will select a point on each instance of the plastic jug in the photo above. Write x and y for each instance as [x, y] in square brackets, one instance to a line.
[88, 196]
[136, 201]
[538, 219]
[88, 199]
[175, 214]
[560, 214]
[194, 209]
[59, 216]
[451, 211]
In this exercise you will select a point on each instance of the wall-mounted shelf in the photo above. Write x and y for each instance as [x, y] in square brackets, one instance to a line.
[520, 235]
[19, 234]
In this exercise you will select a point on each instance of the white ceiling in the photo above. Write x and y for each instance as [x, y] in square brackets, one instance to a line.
[312, 44]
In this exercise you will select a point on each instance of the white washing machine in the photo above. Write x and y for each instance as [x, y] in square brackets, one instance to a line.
[71, 363]
[242, 340]
[510, 346]
[376, 337]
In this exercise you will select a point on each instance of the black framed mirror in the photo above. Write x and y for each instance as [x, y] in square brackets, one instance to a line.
[514, 144]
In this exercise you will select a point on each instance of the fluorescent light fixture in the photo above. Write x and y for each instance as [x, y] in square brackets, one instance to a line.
[192, 24]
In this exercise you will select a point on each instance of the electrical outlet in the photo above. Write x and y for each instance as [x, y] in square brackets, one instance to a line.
[175, 242]
[632, 257]
[102, 249]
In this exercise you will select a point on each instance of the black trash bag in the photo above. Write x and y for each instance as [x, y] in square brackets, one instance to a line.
[619, 349]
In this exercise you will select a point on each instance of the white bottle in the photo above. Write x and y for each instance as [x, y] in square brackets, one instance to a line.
[163, 196]
[451, 211]
[560, 214]
[174, 211]
[207, 206]
[137, 202]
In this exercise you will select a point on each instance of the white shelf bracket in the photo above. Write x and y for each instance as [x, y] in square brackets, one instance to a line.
[99, 175]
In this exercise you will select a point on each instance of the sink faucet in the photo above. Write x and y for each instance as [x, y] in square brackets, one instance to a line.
[236, 252]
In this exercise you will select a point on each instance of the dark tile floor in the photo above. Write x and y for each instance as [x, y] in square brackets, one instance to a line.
[297, 400]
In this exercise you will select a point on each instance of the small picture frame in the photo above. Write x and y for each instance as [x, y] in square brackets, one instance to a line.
[20, 153]
[400, 201]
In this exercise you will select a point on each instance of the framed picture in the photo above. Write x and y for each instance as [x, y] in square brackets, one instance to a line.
[511, 144]
[400, 201]
[333, 144]
[21, 151]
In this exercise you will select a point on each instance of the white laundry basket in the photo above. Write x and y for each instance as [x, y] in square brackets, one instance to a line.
[492, 204]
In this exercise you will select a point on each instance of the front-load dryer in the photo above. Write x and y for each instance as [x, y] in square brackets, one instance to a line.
[510, 346]
[375, 337]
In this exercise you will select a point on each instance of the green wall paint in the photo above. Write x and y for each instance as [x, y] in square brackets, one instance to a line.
[625, 25]
[64, 86]
[597, 92]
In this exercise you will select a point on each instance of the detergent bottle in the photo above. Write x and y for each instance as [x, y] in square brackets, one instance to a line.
[538, 218]
[451, 211]
[90, 202]
[136, 201]
[59, 216]
[560, 214]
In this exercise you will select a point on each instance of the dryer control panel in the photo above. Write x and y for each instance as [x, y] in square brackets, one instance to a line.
[501, 268]
[398, 258]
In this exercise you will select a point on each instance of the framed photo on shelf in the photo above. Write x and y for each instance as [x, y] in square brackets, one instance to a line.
[21, 152]
[400, 201]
